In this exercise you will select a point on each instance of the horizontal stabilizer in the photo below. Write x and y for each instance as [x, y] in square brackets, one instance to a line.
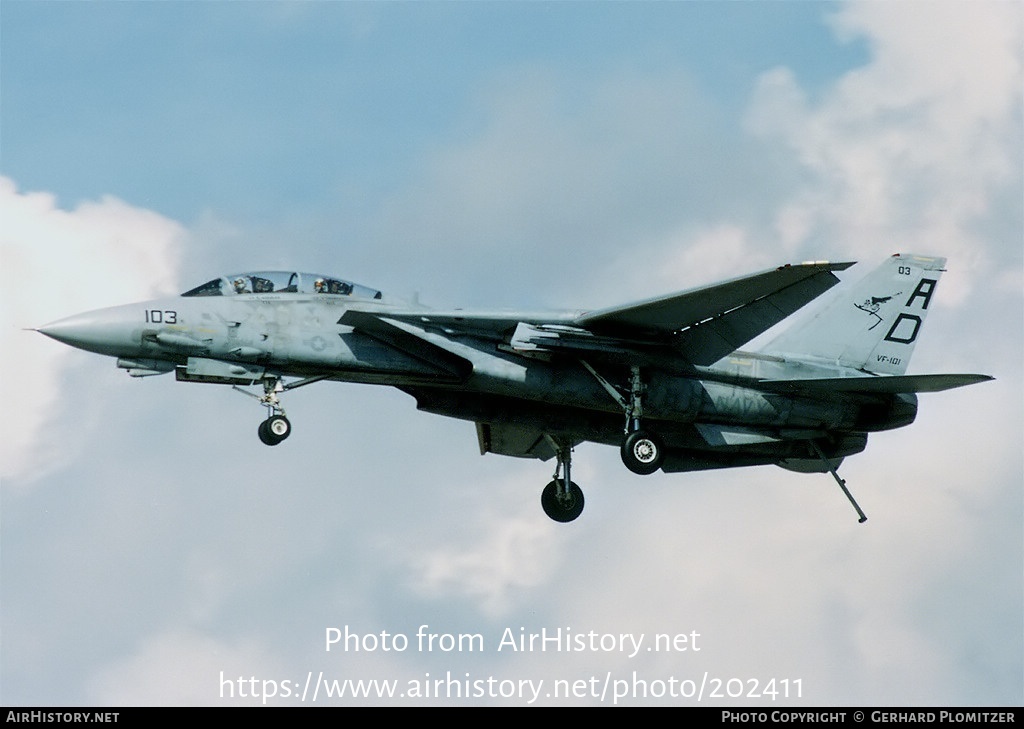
[882, 385]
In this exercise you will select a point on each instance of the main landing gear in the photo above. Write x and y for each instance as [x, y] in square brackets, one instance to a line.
[642, 451]
[562, 500]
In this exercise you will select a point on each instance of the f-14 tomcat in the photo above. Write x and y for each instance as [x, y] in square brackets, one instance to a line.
[663, 379]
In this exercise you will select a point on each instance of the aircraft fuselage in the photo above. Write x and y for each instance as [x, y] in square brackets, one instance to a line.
[665, 378]
[241, 338]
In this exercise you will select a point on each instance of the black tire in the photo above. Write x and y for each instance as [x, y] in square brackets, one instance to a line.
[562, 510]
[279, 427]
[274, 429]
[265, 436]
[642, 452]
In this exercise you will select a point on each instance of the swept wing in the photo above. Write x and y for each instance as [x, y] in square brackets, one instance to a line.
[699, 325]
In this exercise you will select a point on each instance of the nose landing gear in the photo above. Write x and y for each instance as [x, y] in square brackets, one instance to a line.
[276, 427]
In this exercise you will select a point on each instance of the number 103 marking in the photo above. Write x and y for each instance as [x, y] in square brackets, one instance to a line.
[161, 316]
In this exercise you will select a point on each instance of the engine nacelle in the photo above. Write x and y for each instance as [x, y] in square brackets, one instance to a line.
[895, 411]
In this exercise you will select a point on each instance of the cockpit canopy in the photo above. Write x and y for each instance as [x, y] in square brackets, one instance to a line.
[281, 282]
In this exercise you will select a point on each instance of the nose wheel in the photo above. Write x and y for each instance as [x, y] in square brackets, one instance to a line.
[274, 429]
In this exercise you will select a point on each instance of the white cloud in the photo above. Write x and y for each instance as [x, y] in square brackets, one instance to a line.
[910, 151]
[557, 175]
[182, 667]
[56, 263]
[503, 555]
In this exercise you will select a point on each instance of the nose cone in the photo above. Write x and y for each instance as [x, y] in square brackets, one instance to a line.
[106, 331]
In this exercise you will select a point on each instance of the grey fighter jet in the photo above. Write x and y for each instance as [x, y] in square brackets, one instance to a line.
[664, 379]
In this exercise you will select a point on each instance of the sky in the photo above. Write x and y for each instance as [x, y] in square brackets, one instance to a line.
[538, 155]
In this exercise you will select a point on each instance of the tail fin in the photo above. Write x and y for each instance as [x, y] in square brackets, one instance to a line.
[873, 326]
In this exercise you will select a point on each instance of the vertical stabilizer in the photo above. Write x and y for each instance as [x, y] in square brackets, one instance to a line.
[874, 325]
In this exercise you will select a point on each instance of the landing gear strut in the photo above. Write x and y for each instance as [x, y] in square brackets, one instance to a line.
[562, 500]
[276, 427]
[642, 451]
